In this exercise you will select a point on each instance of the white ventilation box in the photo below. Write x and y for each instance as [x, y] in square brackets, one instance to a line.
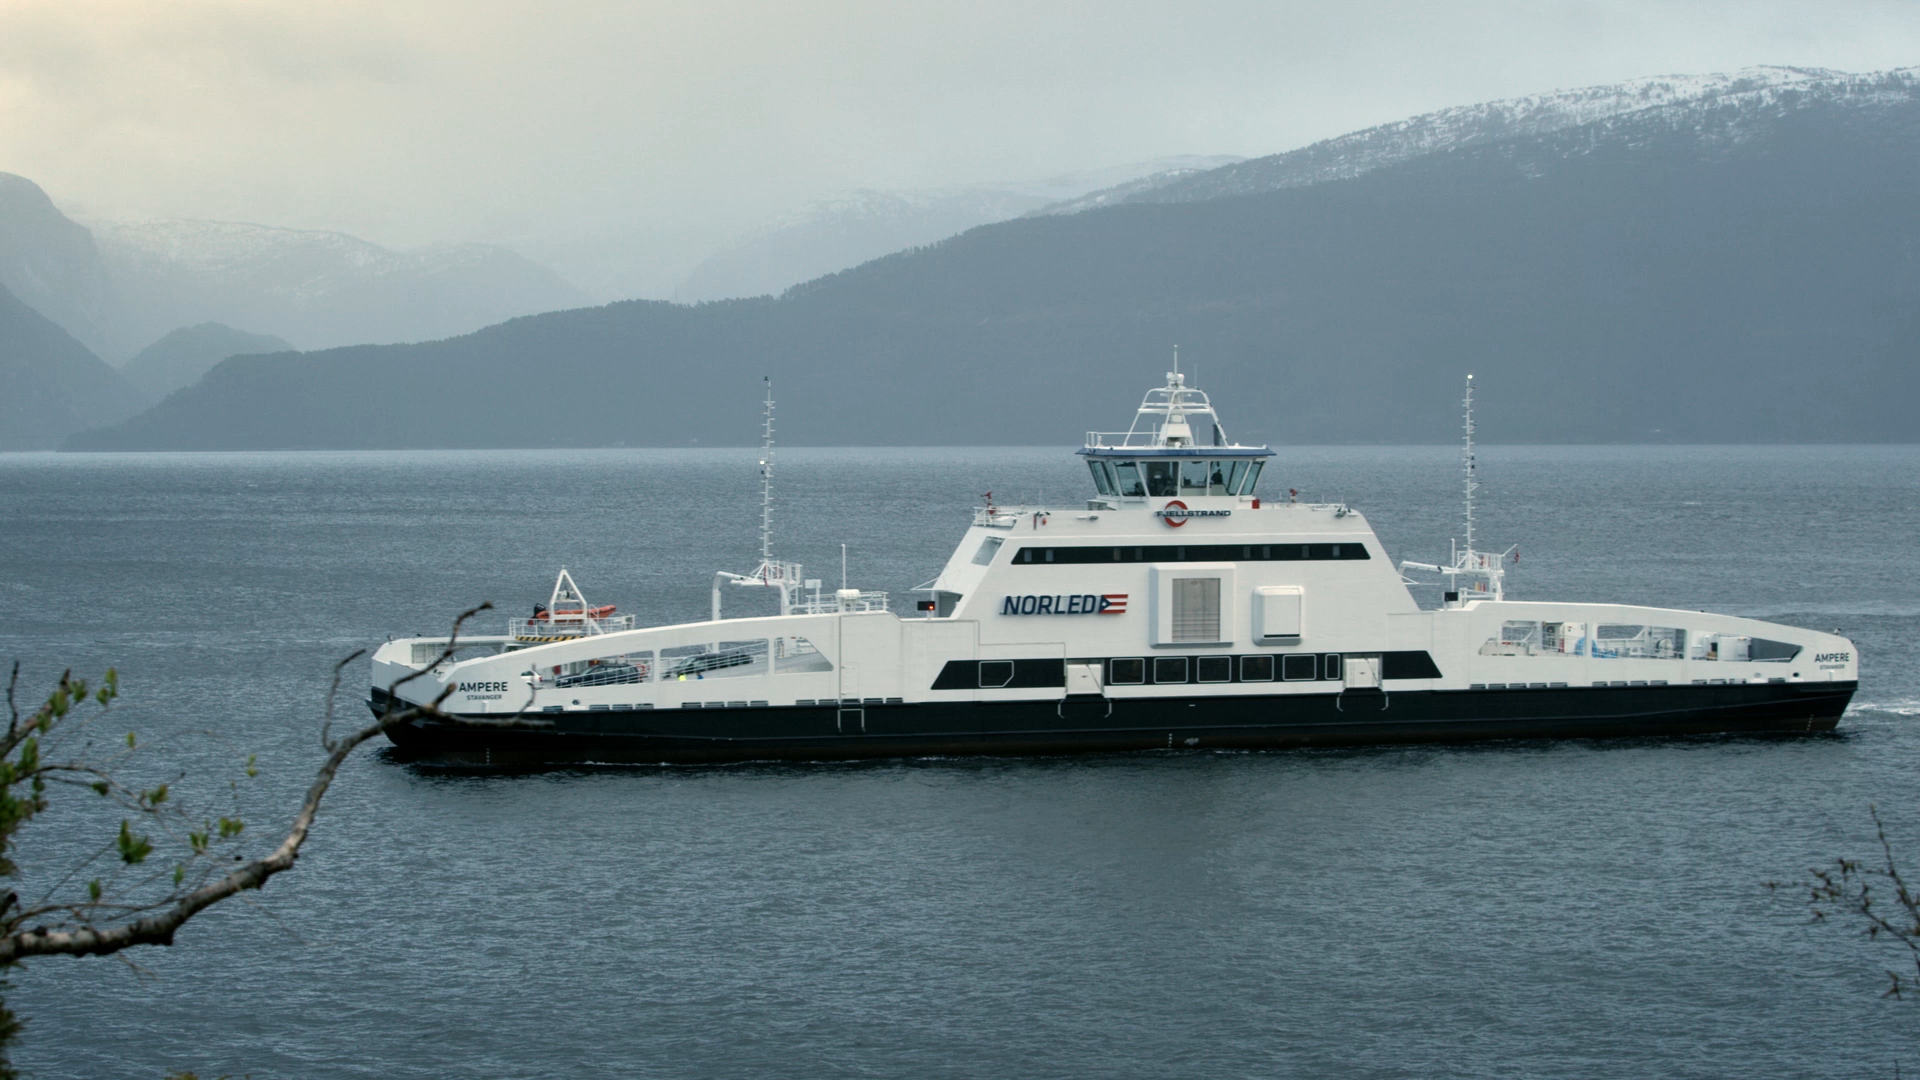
[1277, 612]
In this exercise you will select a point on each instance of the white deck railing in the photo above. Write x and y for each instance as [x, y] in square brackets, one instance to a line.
[566, 627]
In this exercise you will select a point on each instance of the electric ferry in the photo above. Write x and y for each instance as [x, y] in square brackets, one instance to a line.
[1175, 609]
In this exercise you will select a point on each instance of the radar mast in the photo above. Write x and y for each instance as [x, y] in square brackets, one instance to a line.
[1485, 571]
[785, 576]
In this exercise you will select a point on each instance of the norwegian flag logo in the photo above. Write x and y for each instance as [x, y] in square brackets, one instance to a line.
[1113, 604]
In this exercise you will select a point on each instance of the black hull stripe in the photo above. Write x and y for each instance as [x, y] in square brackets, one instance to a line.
[1089, 725]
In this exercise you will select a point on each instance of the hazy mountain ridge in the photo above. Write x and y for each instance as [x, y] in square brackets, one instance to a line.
[1671, 102]
[50, 384]
[51, 264]
[838, 233]
[119, 286]
[182, 357]
[1756, 278]
[314, 287]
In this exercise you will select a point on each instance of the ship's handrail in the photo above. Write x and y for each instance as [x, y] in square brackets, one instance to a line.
[848, 600]
[566, 627]
[1124, 440]
[994, 517]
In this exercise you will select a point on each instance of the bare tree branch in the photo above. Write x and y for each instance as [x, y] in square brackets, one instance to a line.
[159, 929]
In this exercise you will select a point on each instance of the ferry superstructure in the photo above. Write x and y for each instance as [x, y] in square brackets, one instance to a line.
[1175, 609]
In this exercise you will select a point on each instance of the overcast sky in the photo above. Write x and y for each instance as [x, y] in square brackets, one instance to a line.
[445, 120]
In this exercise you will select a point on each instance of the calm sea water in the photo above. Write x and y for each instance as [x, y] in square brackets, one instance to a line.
[1590, 909]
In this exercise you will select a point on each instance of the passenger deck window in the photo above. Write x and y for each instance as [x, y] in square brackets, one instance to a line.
[1256, 669]
[1169, 669]
[1297, 667]
[1130, 671]
[988, 549]
[995, 673]
[1213, 669]
[797, 654]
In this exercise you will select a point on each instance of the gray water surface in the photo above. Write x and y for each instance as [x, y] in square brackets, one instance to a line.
[1591, 909]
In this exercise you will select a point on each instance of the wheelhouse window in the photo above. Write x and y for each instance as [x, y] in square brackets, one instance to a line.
[1193, 477]
[1102, 476]
[1236, 474]
[1131, 486]
[1163, 478]
[1253, 477]
[1217, 478]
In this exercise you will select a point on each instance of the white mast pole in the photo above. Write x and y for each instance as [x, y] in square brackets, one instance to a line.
[766, 481]
[1467, 461]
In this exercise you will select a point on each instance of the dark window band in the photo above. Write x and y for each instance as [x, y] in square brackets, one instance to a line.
[1166, 670]
[1136, 553]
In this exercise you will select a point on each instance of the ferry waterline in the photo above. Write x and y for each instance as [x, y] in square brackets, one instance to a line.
[1177, 609]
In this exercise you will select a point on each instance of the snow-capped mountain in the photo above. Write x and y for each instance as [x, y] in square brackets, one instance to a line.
[1716, 106]
[834, 234]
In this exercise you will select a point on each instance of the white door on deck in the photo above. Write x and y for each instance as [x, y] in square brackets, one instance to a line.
[1083, 678]
[1362, 672]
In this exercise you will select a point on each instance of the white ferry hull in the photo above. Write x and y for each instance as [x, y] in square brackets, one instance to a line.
[1067, 726]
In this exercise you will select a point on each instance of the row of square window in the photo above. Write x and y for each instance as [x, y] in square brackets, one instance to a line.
[1292, 667]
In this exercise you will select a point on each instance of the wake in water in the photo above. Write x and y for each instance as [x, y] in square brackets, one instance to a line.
[1900, 707]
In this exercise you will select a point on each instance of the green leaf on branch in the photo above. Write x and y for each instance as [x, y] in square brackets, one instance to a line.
[156, 796]
[129, 740]
[133, 849]
[179, 872]
[93, 890]
[251, 771]
[230, 827]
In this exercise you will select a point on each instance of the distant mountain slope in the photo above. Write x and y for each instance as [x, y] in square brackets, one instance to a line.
[50, 385]
[837, 234]
[1755, 278]
[51, 264]
[180, 358]
[319, 289]
[1729, 103]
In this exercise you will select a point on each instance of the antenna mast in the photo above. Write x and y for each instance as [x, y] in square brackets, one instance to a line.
[770, 573]
[1484, 571]
[1472, 481]
[766, 483]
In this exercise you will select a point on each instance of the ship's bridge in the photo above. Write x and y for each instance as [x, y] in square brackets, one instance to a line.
[1176, 448]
